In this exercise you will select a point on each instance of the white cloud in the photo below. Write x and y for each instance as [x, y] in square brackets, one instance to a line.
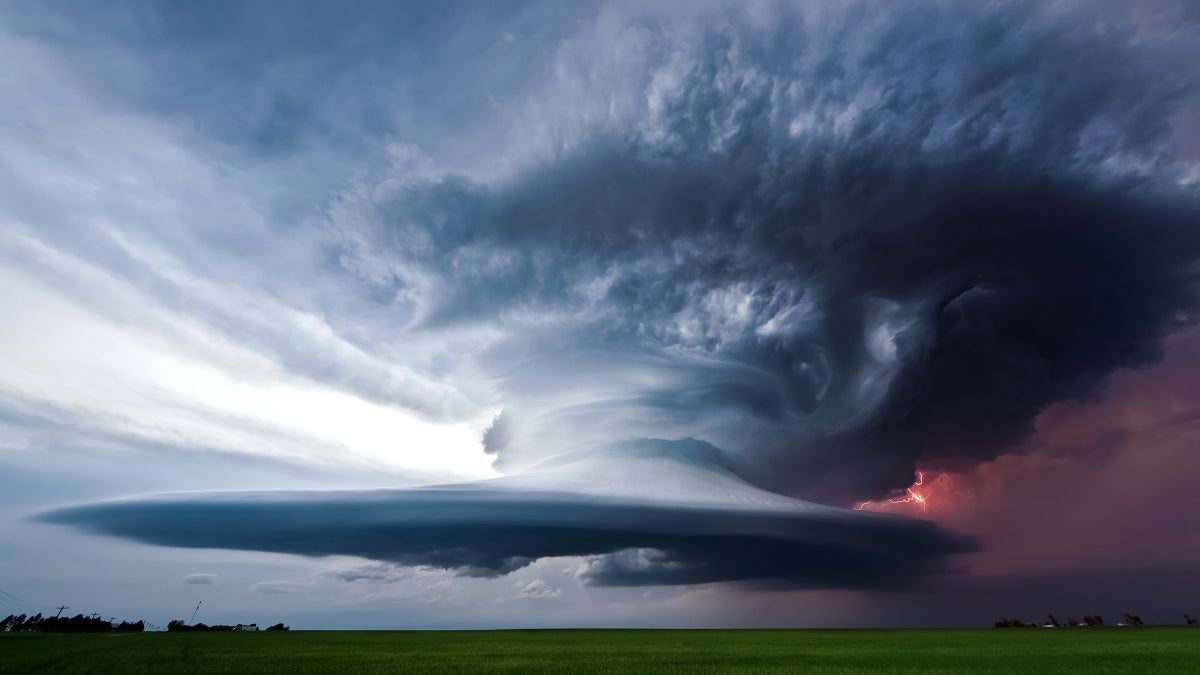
[201, 579]
[541, 590]
[156, 301]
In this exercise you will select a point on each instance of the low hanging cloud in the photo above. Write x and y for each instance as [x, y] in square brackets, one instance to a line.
[655, 528]
[832, 243]
[539, 589]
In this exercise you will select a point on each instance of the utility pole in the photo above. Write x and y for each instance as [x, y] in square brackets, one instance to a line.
[60, 610]
[194, 613]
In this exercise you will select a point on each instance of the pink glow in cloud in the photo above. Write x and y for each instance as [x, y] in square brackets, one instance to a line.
[1102, 485]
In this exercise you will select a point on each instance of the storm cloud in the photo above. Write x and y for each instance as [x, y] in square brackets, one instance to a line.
[824, 245]
[837, 244]
[633, 535]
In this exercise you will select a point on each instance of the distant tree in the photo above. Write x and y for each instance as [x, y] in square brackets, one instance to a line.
[75, 624]
[278, 626]
[1190, 621]
[1052, 621]
[1133, 619]
[1096, 620]
[177, 626]
[1072, 623]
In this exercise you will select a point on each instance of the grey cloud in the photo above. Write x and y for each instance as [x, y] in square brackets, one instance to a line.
[226, 265]
[497, 435]
[368, 572]
[491, 528]
[201, 579]
[538, 588]
[274, 587]
[835, 244]
[839, 245]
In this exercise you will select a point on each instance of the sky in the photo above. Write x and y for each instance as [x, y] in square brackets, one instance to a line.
[542, 314]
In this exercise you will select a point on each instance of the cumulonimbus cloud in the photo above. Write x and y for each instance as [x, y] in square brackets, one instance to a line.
[834, 244]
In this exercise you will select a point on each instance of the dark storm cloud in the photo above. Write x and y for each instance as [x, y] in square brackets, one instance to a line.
[835, 244]
[491, 529]
[849, 240]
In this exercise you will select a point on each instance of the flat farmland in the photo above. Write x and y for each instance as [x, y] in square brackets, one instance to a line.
[833, 652]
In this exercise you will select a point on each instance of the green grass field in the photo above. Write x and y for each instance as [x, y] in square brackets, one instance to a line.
[1092, 651]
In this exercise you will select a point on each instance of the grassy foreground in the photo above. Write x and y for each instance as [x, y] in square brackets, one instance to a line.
[1092, 651]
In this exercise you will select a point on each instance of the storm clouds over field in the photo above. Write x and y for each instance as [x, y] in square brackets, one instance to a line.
[653, 295]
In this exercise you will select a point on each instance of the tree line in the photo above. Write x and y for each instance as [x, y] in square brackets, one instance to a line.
[74, 624]
[94, 624]
[1088, 620]
[179, 626]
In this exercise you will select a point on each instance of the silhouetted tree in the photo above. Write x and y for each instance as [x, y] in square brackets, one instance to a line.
[1052, 621]
[1132, 619]
[63, 624]
[178, 626]
[1096, 620]
[278, 626]
[75, 624]
[1190, 621]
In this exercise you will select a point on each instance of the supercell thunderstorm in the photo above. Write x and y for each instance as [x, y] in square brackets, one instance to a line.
[768, 264]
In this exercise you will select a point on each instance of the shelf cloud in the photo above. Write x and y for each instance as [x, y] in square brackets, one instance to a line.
[630, 537]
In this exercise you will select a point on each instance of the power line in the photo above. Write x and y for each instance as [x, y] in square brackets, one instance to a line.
[23, 601]
[17, 606]
[14, 607]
